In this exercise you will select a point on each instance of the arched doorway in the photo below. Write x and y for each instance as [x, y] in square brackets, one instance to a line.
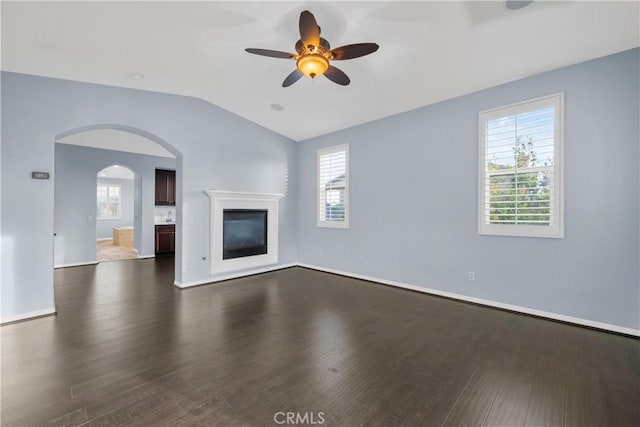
[116, 196]
[80, 154]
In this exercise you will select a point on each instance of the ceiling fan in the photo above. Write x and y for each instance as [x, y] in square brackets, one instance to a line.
[314, 54]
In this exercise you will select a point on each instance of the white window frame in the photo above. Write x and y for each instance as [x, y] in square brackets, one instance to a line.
[319, 221]
[111, 218]
[556, 228]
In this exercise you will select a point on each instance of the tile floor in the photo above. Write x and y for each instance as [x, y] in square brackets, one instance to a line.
[107, 251]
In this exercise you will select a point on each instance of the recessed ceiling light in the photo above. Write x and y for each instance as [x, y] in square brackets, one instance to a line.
[277, 107]
[517, 4]
[136, 76]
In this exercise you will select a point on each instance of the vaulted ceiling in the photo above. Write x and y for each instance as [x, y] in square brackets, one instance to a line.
[429, 51]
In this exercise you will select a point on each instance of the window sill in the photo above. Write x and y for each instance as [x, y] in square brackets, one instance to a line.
[329, 224]
[503, 231]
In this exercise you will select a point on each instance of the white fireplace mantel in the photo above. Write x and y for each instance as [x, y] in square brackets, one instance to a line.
[221, 200]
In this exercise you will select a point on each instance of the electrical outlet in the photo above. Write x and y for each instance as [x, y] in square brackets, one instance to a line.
[320, 253]
[472, 276]
[361, 260]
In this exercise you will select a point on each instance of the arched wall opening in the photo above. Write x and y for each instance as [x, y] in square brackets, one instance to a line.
[80, 154]
[118, 213]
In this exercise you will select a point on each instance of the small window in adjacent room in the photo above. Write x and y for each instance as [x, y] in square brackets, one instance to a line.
[520, 169]
[108, 202]
[333, 187]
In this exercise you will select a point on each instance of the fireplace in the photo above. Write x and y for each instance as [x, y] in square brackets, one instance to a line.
[244, 233]
[244, 230]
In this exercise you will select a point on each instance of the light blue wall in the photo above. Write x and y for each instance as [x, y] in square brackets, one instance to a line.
[214, 149]
[76, 170]
[414, 200]
[413, 190]
[104, 227]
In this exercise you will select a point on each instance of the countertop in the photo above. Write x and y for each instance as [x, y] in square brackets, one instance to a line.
[165, 223]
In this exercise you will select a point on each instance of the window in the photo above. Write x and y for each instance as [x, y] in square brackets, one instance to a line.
[108, 202]
[333, 187]
[520, 171]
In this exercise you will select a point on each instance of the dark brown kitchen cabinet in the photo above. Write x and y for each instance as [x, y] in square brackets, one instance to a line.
[165, 187]
[165, 239]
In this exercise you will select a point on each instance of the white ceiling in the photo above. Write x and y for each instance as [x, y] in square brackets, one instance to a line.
[116, 171]
[429, 51]
[111, 139]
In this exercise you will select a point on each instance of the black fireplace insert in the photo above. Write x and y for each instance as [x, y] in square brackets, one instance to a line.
[244, 233]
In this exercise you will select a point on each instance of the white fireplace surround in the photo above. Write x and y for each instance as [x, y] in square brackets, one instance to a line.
[221, 200]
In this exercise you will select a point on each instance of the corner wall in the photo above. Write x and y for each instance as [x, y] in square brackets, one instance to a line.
[218, 150]
[413, 200]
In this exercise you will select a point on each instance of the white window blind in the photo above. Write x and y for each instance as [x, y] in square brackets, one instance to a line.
[521, 169]
[333, 187]
[109, 206]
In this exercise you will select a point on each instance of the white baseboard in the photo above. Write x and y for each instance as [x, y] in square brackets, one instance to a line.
[233, 275]
[102, 239]
[29, 315]
[75, 264]
[481, 301]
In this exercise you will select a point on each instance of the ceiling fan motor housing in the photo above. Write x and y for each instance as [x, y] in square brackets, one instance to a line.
[322, 49]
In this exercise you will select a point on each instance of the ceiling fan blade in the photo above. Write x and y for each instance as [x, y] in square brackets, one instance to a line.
[351, 51]
[336, 75]
[292, 78]
[309, 30]
[270, 53]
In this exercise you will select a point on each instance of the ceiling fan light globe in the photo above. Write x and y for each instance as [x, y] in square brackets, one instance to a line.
[312, 65]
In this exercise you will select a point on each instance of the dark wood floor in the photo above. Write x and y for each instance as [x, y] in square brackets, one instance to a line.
[127, 348]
